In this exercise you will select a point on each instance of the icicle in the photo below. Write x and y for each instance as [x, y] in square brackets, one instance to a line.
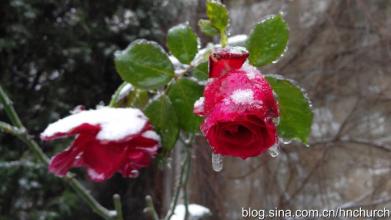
[217, 162]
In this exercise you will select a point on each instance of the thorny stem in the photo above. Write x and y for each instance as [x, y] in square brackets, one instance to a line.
[18, 130]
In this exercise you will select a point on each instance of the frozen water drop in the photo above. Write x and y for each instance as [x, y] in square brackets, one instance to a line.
[284, 141]
[134, 173]
[217, 162]
[274, 150]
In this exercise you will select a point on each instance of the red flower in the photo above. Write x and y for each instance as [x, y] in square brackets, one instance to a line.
[108, 140]
[238, 106]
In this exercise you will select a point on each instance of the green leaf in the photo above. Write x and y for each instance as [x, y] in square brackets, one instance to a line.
[217, 14]
[128, 96]
[267, 41]
[161, 114]
[295, 109]
[207, 28]
[200, 72]
[183, 43]
[183, 94]
[144, 64]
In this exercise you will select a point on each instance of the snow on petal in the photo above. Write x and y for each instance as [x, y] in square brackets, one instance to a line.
[116, 123]
[199, 106]
[251, 71]
[151, 135]
[242, 96]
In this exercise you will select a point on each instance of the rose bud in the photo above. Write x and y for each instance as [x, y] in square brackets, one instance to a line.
[238, 106]
[108, 140]
[222, 60]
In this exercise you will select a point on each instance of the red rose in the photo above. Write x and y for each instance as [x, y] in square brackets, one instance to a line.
[238, 106]
[108, 140]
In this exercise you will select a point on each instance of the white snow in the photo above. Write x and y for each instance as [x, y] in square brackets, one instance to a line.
[95, 175]
[237, 39]
[251, 71]
[125, 91]
[195, 212]
[151, 135]
[115, 123]
[199, 104]
[237, 50]
[242, 96]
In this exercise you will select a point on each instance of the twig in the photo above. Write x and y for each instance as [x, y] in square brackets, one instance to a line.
[86, 196]
[9, 109]
[18, 130]
[150, 209]
[7, 128]
[118, 206]
[187, 144]
[182, 181]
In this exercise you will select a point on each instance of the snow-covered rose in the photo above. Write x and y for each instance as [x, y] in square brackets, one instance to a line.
[238, 106]
[108, 140]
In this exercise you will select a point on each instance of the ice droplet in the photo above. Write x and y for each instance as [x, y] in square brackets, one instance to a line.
[134, 173]
[217, 162]
[274, 150]
[283, 141]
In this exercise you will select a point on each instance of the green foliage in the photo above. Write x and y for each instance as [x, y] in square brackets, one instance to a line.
[267, 41]
[183, 93]
[207, 28]
[217, 14]
[126, 95]
[162, 115]
[295, 109]
[182, 42]
[219, 19]
[144, 64]
[200, 72]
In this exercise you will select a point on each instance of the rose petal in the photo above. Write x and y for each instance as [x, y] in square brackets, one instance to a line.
[223, 60]
[103, 160]
[225, 87]
[62, 162]
[81, 128]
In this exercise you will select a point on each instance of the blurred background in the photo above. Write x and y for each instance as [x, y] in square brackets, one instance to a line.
[57, 54]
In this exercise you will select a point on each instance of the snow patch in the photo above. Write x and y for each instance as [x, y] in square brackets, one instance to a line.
[151, 135]
[195, 212]
[126, 89]
[237, 39]
[116, 123]
[199, 104]
[95, 175]
[242, 96]
[251, 71]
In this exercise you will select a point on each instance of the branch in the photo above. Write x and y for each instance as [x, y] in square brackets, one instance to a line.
[118, 206]
[187, 144]
[150, 209]
[18, 130]
[182, 181]
[9, 129]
